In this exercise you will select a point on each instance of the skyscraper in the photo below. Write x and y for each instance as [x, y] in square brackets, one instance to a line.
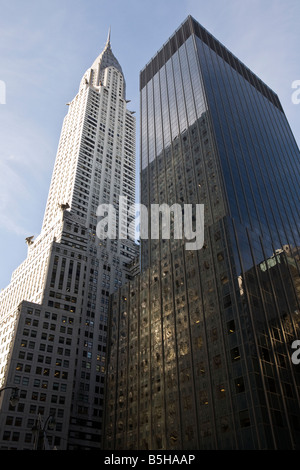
[201, 340]
[53, 314]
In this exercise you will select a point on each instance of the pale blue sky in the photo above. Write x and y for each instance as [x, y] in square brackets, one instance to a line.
[46, 46]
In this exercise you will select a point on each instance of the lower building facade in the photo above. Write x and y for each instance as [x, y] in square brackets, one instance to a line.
[200, 354]
[53, 351]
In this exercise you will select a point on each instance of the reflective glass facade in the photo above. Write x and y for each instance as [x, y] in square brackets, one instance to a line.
[200, 353]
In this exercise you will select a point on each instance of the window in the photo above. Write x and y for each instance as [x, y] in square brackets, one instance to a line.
[235, 354]
[231, 327]
[9, 420]
[239, 385]
[244, 418]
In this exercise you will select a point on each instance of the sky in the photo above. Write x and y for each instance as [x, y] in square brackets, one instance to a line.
[45, 48]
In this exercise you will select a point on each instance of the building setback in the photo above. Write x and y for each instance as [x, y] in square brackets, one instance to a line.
[201, 340]
[54, 312]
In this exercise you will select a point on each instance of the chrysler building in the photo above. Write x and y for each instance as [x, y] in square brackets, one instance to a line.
[54, 313]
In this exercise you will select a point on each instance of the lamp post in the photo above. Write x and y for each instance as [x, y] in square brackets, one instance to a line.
[14, 397]
[39, 429]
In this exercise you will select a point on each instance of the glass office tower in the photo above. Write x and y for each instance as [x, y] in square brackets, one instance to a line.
[201, 340]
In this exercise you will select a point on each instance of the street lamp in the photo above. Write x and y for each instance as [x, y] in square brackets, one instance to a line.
[40, 428]
[14, 397]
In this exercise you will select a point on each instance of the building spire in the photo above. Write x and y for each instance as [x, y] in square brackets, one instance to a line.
[94, 75]
[108, 37]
